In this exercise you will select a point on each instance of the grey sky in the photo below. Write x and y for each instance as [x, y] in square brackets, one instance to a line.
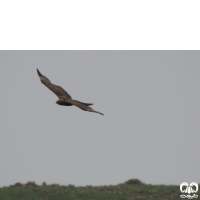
[150, 131]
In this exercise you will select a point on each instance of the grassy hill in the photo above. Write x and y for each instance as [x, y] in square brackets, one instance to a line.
[130, 190]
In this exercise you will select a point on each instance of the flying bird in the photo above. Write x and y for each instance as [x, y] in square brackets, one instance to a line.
[64, 98]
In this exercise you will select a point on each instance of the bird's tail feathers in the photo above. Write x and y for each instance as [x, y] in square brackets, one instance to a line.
[87, 104]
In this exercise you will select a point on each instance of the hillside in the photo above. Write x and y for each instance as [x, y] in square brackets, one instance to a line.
[130, 190]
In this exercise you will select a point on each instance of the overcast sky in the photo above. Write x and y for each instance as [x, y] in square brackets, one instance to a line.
[150, 131]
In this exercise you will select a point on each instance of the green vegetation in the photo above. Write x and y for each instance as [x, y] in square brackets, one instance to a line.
[130, 190]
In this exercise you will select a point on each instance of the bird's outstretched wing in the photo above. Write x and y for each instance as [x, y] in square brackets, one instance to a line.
[57, 90]
[82, 106]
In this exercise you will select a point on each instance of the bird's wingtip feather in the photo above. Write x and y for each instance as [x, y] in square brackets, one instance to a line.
[39, 72]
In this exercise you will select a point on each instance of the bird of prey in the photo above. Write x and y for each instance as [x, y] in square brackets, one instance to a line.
[64, 98]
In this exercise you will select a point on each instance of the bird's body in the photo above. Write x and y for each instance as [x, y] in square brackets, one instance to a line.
[64, 98]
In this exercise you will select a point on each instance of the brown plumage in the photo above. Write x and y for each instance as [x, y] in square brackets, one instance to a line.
[64, 98]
